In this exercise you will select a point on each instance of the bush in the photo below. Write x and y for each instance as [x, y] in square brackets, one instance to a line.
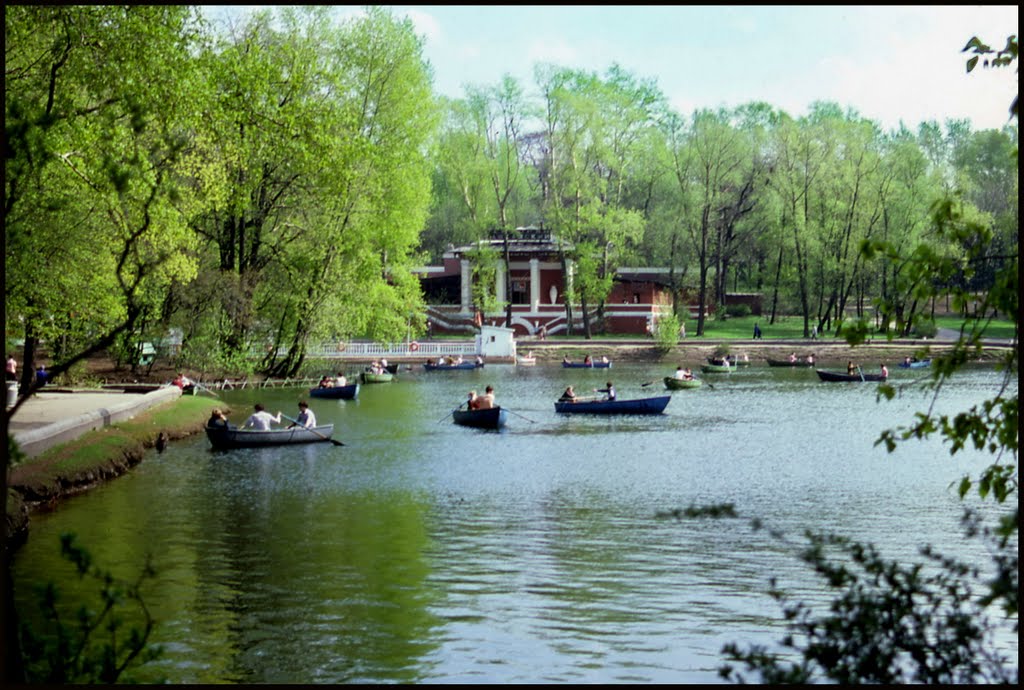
[666, 333]
[738, 310]
[925, 329]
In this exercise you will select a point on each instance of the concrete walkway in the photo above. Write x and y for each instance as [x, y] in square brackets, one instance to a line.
[47, 419]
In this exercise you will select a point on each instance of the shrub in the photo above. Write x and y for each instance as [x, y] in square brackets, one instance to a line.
[925, 329]
[738, 310]
[666, 333]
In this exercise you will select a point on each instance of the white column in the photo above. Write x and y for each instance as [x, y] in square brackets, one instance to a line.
[499, 282]
[466, 297]
[534, 285]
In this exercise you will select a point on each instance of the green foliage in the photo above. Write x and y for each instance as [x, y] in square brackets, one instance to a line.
[737, 310]
[92, 644]
[891, 623]
[666, 333]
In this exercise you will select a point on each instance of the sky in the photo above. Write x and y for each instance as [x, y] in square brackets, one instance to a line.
[892, 64]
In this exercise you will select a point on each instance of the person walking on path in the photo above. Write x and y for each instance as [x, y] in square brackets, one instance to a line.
[12, 367]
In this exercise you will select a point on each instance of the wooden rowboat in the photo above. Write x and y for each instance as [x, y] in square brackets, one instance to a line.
[348, 392]
[916, 365]
[654, 405]
[370, 377]
[491, 418]
[582, 365]
[716, 368]
[674, 384]
[224, 438]
[832, 376]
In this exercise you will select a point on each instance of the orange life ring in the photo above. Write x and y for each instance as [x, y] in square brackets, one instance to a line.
[341, 346]
[414, 346]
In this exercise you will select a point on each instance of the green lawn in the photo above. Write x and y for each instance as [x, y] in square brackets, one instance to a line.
[998, 328]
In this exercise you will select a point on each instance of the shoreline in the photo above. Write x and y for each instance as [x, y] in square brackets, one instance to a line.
[41, 482]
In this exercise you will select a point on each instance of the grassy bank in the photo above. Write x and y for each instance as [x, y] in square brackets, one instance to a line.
[72, 467]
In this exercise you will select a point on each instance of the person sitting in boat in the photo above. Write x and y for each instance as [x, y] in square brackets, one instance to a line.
[565, 359]
[587, 360]
[457, 360]
[687, 374]
[260, 420]
[486, 401]
[568, 396]
[604, 359]
[885, 371]
[306, 417]
[609, 391]
[326, 382]
[907, 361]
[384, 363]
[810, 359]
[340, 380]
[479, 361]
[792, 357]
[473, 401]
[850, 368]
[217, 419]
[680, 372]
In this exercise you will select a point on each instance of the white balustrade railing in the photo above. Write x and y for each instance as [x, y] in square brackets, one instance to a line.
[369, 350]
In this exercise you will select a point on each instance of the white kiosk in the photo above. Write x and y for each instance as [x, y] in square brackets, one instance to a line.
[496, 342]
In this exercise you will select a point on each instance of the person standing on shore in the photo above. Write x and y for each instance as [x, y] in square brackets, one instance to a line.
[12, 367]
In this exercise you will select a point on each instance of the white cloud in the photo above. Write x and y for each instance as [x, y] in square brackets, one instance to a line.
[426, 25]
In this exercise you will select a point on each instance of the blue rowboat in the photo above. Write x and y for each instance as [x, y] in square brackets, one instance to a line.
[224, 438]
[582, 365]
[491, 418]
[450, 367]
[654, 405]
[915, 365]
[336, 392]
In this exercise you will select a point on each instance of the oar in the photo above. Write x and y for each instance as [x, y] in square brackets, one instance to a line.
[326, 438]
[201, 387]
[649, 383]
[861, 374]
[519, 415]
[449, 414]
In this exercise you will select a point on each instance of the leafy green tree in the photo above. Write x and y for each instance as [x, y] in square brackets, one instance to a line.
[99, 105]
[893, 623]
[317, 178]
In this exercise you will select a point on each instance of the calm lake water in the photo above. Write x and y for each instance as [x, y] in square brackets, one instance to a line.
[423, 552]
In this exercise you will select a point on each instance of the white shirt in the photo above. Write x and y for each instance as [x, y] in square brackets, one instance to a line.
[261, 421]
[307, 419]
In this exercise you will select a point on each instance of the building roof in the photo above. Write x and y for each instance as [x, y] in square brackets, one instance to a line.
[522, 240]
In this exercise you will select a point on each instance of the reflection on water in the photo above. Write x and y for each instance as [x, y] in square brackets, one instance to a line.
[422, 551]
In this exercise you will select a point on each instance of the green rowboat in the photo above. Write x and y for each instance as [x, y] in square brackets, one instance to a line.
[674, 384]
